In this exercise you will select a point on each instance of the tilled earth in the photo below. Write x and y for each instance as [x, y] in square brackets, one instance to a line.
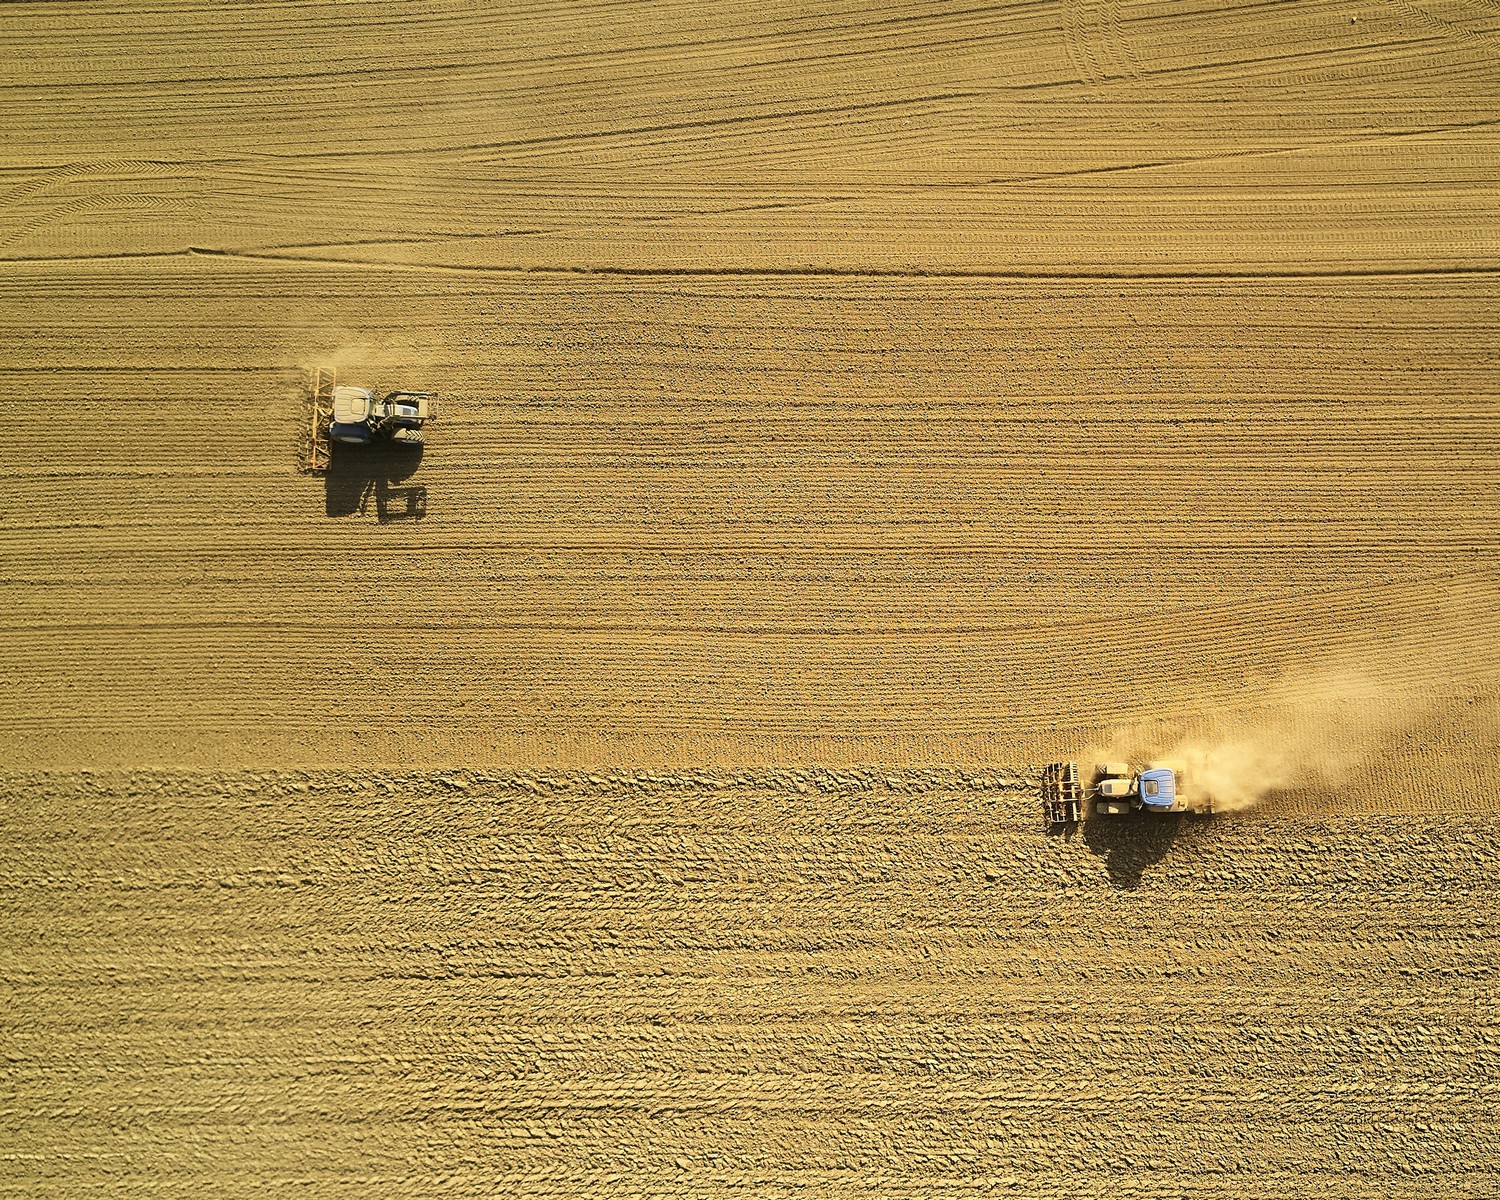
[905, 383]
[791, 983]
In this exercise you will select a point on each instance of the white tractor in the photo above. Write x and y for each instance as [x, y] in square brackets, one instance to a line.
[359, 418]
[1119, 788]
[352, 416]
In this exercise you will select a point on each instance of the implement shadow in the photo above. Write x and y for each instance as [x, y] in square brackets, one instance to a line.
[1131, 843]
[359, 474]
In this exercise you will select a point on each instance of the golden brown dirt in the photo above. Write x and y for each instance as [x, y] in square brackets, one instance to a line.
[925, 385]
[768, 985]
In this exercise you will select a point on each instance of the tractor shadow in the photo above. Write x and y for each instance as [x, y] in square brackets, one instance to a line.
[1132, 843]
[360, 477]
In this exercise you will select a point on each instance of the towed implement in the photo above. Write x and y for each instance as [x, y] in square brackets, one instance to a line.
[1118, 788]
[1062, 794]
[352, 416]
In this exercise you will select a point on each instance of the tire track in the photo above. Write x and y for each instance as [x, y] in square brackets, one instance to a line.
[1097, 44]
[696, 984]
[1486, 39]
[154, 205]
[58, 176]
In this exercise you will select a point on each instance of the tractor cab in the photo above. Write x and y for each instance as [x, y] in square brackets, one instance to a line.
[1158, 788]
[353, 414]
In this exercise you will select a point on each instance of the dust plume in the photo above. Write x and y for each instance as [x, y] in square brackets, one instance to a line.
[1317, 730]
[383, 367]
[350, 356]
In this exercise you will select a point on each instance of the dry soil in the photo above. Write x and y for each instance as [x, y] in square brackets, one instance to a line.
[846, 407]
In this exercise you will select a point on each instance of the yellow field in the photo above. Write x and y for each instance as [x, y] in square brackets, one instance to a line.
[492, 985]
[846, 408]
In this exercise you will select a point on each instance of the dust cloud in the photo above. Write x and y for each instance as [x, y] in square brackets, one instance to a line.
[386, 364]
[349, 356]
[1315, 730]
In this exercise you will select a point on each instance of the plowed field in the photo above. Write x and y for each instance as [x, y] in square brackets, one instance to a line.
[845, 408]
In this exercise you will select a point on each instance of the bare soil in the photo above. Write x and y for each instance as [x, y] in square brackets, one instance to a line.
[845, 409]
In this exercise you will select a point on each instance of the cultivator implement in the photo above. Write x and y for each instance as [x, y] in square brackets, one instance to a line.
[319, 446]
[1062, 794]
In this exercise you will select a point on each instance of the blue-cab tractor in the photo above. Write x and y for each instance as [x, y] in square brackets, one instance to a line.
[352, 416]
[359, 418]
[1118, 788]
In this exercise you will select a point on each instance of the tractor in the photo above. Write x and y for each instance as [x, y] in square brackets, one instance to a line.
[1118, 788]
[352, 416]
